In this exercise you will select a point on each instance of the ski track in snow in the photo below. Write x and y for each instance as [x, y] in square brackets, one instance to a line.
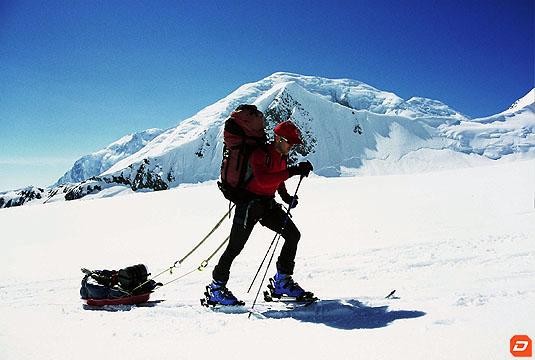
[457, 246]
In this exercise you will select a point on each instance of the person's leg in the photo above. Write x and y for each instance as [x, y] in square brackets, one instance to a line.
[239, 234]
[275, 219]
[238, 237]
[245, 218]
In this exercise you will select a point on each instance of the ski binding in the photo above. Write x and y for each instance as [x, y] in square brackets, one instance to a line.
[206, 302]
[270, 296]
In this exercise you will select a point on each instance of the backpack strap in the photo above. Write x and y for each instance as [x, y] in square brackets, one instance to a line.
[248, 176]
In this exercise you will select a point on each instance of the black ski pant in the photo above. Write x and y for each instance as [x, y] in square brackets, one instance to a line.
[271, 215]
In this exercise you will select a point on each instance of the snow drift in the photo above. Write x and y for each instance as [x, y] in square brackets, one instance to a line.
[457, 245]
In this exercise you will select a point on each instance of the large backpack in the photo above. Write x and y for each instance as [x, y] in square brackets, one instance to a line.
[244, 132]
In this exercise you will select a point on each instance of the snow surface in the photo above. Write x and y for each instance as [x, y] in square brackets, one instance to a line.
[457, 245]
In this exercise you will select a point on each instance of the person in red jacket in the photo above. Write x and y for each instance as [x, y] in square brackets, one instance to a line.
[270, 171]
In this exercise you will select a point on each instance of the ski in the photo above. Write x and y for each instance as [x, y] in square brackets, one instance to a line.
[304, 300]
[211, 304]
[227, 309]
[239, 308]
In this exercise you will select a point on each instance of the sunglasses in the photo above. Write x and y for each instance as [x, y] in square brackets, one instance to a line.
[282, 138]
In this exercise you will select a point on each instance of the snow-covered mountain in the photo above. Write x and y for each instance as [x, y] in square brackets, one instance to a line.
[528, 99]
[506, 133]
[96, 163]
[349, 128]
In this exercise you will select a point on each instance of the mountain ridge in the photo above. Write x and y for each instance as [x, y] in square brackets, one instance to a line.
[99, 161]
[349, 128]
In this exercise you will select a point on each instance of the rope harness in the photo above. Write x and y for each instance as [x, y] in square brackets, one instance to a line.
[202, 265]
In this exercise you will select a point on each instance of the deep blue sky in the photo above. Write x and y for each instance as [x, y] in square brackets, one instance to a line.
[77, 75]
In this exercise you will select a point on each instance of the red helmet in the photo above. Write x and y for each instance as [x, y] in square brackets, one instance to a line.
[289, 132]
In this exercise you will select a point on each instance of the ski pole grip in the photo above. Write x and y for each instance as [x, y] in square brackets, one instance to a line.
[291, 206]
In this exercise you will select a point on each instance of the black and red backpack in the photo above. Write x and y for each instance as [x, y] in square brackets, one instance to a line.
[244, 132]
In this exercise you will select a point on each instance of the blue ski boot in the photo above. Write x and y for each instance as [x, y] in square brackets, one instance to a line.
[218, 294]
[282, 285]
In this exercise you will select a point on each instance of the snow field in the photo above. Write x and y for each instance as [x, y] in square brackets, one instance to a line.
[457, 245]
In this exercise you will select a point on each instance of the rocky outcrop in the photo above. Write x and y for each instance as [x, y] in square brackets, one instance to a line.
[20, 197]
[135, 176]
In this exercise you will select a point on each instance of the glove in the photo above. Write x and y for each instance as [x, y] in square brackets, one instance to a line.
[303, 168]
[290, 200]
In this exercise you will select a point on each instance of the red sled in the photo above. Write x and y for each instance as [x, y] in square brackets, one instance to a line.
[127, 300]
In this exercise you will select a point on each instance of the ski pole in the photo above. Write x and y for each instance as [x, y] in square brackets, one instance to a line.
[276, 237]
[288, 215]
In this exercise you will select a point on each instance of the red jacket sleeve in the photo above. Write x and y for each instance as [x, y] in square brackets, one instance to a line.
[269, 176]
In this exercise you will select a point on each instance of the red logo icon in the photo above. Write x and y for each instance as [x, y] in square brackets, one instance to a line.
[521, 346]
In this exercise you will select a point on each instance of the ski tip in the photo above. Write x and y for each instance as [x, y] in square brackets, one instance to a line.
[391, 295]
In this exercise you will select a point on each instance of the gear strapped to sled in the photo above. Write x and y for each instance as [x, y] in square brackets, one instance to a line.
[131, 285]
[126, 286]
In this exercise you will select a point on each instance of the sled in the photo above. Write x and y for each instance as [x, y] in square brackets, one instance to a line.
[127, 300]
[128, 286]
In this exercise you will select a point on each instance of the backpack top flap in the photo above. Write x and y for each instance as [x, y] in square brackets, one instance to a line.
[250, 122]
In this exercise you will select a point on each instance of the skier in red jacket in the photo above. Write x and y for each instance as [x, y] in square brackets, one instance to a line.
[270, 170]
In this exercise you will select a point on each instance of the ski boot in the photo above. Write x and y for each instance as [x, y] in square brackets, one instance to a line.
[217, 294]
[283, 286]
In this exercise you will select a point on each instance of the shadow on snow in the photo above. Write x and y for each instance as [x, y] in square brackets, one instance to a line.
[343, 314]
[338, 314]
